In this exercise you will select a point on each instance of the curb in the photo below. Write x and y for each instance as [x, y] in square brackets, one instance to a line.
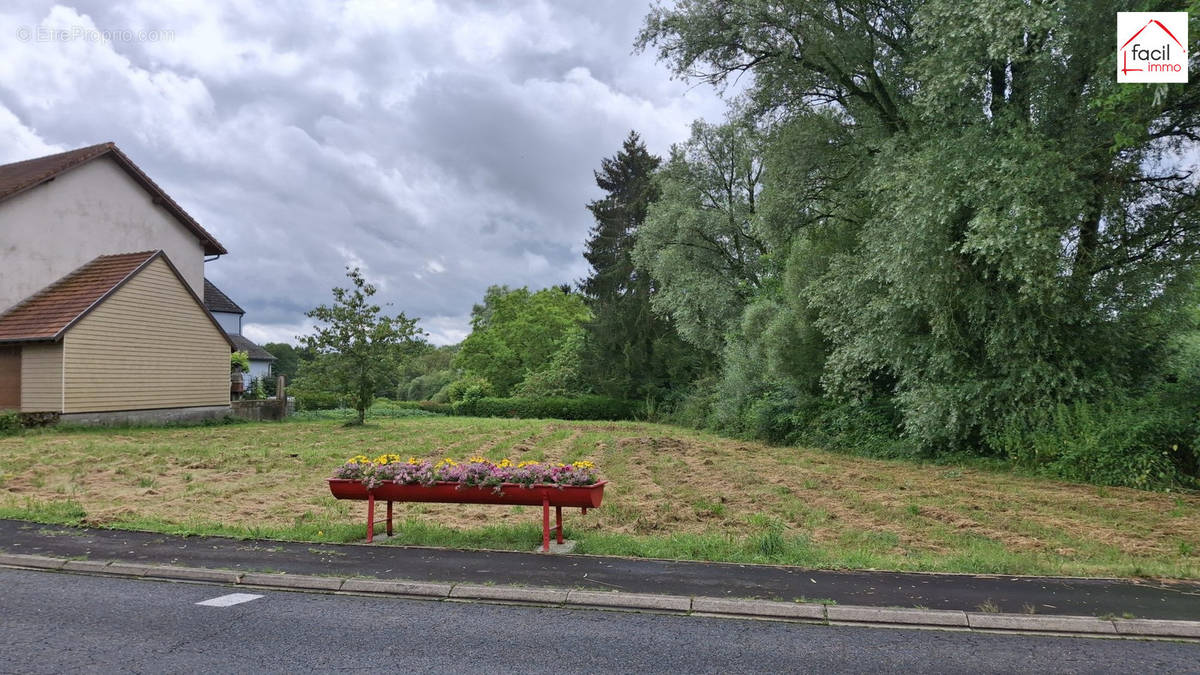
[813, 613]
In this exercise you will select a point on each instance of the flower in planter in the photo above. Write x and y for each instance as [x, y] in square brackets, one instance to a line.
[475, 472]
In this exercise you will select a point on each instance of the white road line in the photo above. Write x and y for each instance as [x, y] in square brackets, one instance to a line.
[231, 599]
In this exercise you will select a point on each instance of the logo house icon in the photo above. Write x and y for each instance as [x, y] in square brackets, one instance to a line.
[1152, 47]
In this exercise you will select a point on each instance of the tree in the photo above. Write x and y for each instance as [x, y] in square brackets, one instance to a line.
[515, 333]
[357, 346]
[700, 240]
[287, 359]
[972, 224]
[629, 351]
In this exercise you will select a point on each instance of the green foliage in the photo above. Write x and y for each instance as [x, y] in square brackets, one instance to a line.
[699, 241]
[425, 387]
[257, 390]
[381, 408]
[426, 373]
[239, 362]
[358, 348]
[516, 332]
[974, 243]
[317, 400]
[469, 387]
[629, 350]
[561, 376]
[10, 422]
[427, 406]
[287, 359]
[1134, 443]
[578, 408]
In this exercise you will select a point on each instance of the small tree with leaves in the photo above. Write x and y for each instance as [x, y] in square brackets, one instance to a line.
[357, 346]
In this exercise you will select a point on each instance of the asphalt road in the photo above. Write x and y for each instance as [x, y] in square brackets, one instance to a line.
[1145, 599]
[54, 622]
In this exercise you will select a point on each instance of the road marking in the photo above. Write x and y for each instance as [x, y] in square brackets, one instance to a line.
[231, 599]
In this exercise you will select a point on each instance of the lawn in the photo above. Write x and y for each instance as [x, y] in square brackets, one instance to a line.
[674, 493]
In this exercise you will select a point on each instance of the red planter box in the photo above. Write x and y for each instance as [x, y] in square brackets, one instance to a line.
[572, 496]
[580, 496]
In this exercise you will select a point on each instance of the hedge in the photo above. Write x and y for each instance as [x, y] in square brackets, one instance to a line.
[318, 400]
[581, 408]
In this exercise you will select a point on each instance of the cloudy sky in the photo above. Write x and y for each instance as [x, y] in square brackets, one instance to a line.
[441, 146]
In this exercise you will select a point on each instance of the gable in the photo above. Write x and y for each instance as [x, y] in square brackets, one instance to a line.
[17, 177]
[94, 209]
[149, 344]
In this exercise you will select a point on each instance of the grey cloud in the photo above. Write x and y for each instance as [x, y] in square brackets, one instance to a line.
[465, 136]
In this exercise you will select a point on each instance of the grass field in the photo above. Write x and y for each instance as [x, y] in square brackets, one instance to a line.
[674, 493]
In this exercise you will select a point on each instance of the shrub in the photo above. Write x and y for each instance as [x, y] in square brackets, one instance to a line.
[579, 408]
[239, 361]
[470, 387]
[10, 422]
[694, 408]
[318, 400]
[1140, 442]
[427, 406]
[425, 387]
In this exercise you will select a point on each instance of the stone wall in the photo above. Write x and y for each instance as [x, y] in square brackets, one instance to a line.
[263, 410]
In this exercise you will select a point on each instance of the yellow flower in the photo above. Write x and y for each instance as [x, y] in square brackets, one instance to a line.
[478, 460]
[583, 465]
[522, 465]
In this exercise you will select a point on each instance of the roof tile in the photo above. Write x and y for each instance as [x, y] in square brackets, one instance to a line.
[45, 314]
[217, 301]
[252, 350]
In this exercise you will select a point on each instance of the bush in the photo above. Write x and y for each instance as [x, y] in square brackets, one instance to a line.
[695, 407]
[1142, 442]
[427, 406]
[425, 387]
[580, 408]
[470, 387]
[10, 422]
[318, 400]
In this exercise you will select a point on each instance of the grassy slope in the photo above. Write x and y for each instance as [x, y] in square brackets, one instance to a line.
[674, 493]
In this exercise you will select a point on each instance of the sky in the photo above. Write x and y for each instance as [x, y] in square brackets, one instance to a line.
[441, 147]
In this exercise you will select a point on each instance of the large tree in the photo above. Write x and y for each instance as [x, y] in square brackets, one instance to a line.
[630, 350]
[357, 346]
[982, 222]
[516, 333]
[700, 240]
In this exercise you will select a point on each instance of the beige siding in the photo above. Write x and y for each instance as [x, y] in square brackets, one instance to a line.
[149, 345]
[41, 377]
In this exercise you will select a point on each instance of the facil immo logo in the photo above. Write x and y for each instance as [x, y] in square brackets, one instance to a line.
[1152, 47]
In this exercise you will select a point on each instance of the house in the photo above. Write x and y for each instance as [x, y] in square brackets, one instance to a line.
[229, 316]
[101, 280]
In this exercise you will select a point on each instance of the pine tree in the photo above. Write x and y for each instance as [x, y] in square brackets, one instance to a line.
[631, 352]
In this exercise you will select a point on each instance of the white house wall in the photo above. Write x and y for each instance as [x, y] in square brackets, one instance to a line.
[258, 369]
[91, 210]
[232, 323]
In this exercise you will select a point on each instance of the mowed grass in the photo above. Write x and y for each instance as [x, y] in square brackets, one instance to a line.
[673, 493]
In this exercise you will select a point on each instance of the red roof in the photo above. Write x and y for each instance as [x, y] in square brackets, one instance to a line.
[18, 177]
[46, 314]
